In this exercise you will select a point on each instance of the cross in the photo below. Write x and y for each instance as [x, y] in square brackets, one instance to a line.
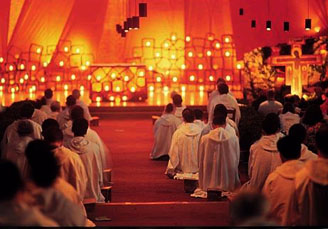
[296, 66]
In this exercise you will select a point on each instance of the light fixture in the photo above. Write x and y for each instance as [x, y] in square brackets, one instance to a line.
[286, 26]
[241, 11]
[268, 25]
[118, 28]
[142, 9]
[135, 22]
[130, 23]
[308, 23]
[253, 24]
[125, 27]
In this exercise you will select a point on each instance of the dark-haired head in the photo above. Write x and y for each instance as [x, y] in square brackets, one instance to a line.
[24, 128]
[10, 179]
[80, 127]
[77, 112]
[198, 114]
[55, 106]
[70, 101]
[76, 93]
[313, 115]
[219, 120]
[26, 110]
[271, 124]
[288, 107]
[48, 93]
[271, 94]
[223, 88]
[53, 136]
[298, 132]
[289, 148]
[188, 115]
[177, 100]
[321, 140]
[49, 123]
[169, 108]
[220, 109]
[44, 167]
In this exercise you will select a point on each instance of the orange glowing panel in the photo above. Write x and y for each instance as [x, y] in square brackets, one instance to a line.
[58, 78]
[317, 29]
[141, 82]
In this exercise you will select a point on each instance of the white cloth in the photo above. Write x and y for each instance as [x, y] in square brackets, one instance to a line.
[267, 107]
[308, 203]
[53, 204]
[46, 109]
[86, 112]
[163, 129]
[53, 115]
[263, 159]
[178, 112]
[89, 154]
[14, 213]
[39, 116]
[229, 127]
[229, 102]
[278, 187]
[72, 169]
[200, 123]
[63, 117]
[184, 149]
[212, 95]
[307, 154]
[17, 155]
[11, 137]
[287, 120]
[219, 155]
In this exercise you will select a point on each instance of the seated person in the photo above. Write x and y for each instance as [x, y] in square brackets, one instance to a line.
[264, 156]
[199, 118]
[184, 147]
[288, 117]
[164, 128]
[13, 211]
[219, 155]
[270, 105]
[280, 183]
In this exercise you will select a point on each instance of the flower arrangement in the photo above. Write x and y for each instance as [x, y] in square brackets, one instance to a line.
[320, 46]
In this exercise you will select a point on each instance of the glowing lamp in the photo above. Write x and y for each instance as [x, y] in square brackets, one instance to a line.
[151, 88]
[158, 79]
[200, 67]
[61, 63]
[150, 68]
[173, 56]
[166, 45]
[3, 80]
[26, 76]
[1, 88]
[190, 54]
[106, 88]
[82, 88]
[211, 78]
[192, 78]
[98, 78]
[124, 98]
[65, 87]
[58, 78]
[142, 73]
[111, 98]
[42, 79]
[238, 66]
[33, 88]
[227, 53]
[90, 76]
[45, 64]
[227, 39]
[87, 63]
[167, 72]
[323, 51]
[21, 80]
[33, 68]
[210, 38]
[148, 43]
[188, 38]
[215, 66]
[38, 50]
[98, 99]
[201, 88]
[268, 25]
[157, 54]
[12, 90]
[118, 88]
[308, 24]
[83, 67]
[317, 29]
[1, 59]
[228, 78]
[217, 45]
[166, 88]
[16, 56]
[175, 79]
[113, 75]
[173, 37]
[73, 77]
[126, 78]
[209, 53]
[132, 89]
[77, 50]
[183, 88]
[65, 49]
[183, 66]
[11, 68]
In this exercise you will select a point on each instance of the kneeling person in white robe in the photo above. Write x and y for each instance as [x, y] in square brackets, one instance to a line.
[164, 128]
[184, 147]
[219, 155]
[280, 183]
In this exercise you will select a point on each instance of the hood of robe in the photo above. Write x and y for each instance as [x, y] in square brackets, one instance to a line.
[190, 129]
[61, 154]
[167, 119]
[306, 154]
[20, 146]
[289, 169]
[79, 145]
[318, 170]
[269, 142]
[219, 135]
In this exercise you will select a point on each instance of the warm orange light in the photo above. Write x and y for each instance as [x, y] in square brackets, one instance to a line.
[58, 78]
[1, 88]
[227, 40]
[118, 88]
[150, 68]
[90, 76]
[65, 87]
[42, 79]
[45, 64]
[65, 49]
[12, 90]
[126, 78]
[210, 38]
[3, 80]
[192, 78]
[33, 88]
[190, 54]
[16, 56]
[132, 89]
[83, 67]
[81, 88]
[1, 59]
[33, 67]
[211, 78]
[124, 98]
[38, 50]
[113, 75]
[77, 50]
[227, 53]
[157, 54]
[183, 88]
[173, 37]
[61, 63]
[200, 67]
[158, 79]
[215, 66]
[141, 73]
[98, 99]
[11, 68]
[217, 45]
[166, 89]
[188, 38]
[151, 88]
[87, 63]
[111, 98]
[201, 88]
[209, 53]
[175, 79]
[21, 80]
[106, 88]
[323, 51]
[183, 66]
[173, 56]
[166, 45]
[228, 78]
[73, 77]
[238, 66]
[148, 43]
[98, 78]
[317, 29]
[26, 76]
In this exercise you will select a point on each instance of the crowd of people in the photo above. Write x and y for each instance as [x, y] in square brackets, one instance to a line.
[52, 162]
[287, 166]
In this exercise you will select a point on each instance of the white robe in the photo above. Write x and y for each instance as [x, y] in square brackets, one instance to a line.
[46, 109]
[11, 137]
[307, 154]
[229, 102]
[287, 120]
[219, 155]
[63, 117]
[53, 115]
[14, 213]
[200, 123]
[178, 112]
[72, 169]
[212, 95]
[263, 159]
[267, 107]
[230, 127]
[163, 129]
[39, 116]
[89, 154]
[184, 149]
[308, 205]
[85, 108]
[278, 187]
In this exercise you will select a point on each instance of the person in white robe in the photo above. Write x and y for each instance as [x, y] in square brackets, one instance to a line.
[227, 100]
[264, 156]
[48, 94]
[280, 183]
[288, 117]
[42, 192]
[219, 155]
[90, 156]
[39, 116]
[308, 205]
[64, 116]
[178, 107]
[214, 93]
[71, 166]
[54, 110]
[183, 152]
[11, 136]
[270, 105]
[13, 211]
[298, 132]
[163, 129]
[199, 118]
[44, 106]
[77, 95]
